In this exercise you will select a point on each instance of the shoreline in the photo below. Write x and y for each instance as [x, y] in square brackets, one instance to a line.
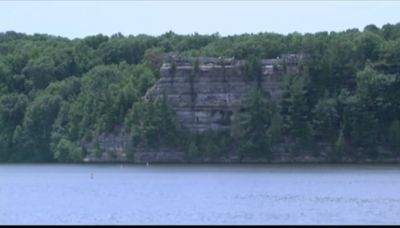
[361, 163]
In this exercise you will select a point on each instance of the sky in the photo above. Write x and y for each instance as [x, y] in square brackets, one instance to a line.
[77, 19]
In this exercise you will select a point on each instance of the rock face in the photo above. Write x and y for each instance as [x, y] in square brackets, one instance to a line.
[116, 146]
[205, 92]
[161, 155]
[112, 147]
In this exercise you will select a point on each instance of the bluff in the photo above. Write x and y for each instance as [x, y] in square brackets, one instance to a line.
[205, 92]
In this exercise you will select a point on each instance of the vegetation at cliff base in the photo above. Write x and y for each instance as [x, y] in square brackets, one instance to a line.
[56, 94]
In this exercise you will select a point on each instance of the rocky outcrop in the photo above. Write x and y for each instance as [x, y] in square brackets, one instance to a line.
[116, 146]
[160, 155]
[111, 147]
[205, 92]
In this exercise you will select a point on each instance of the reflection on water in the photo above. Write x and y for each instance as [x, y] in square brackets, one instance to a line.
[199, 194]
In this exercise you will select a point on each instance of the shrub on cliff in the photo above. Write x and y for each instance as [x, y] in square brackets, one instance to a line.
[252, 68]
[153, 124]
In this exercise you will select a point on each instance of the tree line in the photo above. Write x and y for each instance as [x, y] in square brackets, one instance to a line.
[56, 93]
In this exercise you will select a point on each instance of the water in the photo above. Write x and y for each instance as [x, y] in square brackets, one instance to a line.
[199, 194]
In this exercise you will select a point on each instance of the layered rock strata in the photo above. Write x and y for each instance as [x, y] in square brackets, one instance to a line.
[205, 92]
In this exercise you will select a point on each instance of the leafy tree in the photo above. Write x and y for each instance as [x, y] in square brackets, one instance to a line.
[12, 111]
[325, 119]
[40, 71]
[153, 123]
[67, 151]
[389, 56]
[394, 136]
[253, 123]
[276, 128]
[37, 125]
[296, 110]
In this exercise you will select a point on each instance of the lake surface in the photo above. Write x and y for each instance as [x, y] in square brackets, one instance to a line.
[199, 194]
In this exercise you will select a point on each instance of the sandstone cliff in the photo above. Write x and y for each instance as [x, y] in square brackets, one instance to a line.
[205, 92]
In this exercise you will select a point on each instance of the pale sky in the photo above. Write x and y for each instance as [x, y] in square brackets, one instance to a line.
[77, 19]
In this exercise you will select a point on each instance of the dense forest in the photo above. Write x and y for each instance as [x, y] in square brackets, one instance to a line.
[56, 93]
